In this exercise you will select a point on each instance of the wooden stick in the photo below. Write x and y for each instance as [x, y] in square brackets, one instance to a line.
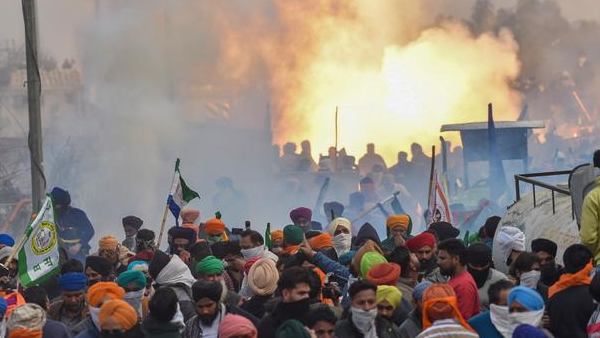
[431, 176]
[162, 227]
[368, 211]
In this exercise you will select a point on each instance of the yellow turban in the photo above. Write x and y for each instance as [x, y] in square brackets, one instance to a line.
[389, 293]
[398, 221]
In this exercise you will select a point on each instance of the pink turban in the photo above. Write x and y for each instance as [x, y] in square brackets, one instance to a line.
[301, 212]
[234, 325]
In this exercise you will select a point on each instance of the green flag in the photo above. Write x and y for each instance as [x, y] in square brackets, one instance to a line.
[39, 255]
[268, 243]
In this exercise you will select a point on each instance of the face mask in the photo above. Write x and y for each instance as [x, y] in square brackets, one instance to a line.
[533, 318]
[277, 250]
[248, 254]
[363, 320]
[215, 238]
[134, 298]
[501, 321]
[300, 306]
[178, 319]
[548, 271]
[342, 243]
[530, 279]
[480, 276]
[95, 314]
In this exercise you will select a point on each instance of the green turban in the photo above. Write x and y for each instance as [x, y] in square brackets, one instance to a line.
[210, 265]
[291, 328]
[132, 276]
[369, 260]
[293, 235]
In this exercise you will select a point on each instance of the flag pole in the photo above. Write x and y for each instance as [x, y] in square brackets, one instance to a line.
[164, 220]
[21, 242]
[335, 162]
[431, 175]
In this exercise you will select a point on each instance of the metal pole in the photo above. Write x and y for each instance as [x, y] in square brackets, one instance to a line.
[38, 181]
[335, 160]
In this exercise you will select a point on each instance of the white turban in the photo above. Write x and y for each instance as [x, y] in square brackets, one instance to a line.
[509, 239]
[338, 221]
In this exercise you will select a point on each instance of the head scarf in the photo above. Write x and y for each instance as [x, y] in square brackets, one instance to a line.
[120, 311]
[419, 289]
[528, 331]
[204, 289]
[132, 221]
[321, 241]
[384, 274]
[235, 325]
[276, 235]
[108, 243]
[293, 235]
[189, 215]
[7, 240]
[301, 212]
[214, 226]
[72, 281]
[263, 277]
[369, 260]
[398, 221]
[444, 230]
[333, 225]
[527, 297]
[546, 245]
[104, 289]
[416, 243]
[291, 328]
[509, 239]
[61, 196]
[209, 265]
[439, 302]
[138, 266]
[132, 276]
[175, 271]
[27, 321]
[99, 264]
[389, 293]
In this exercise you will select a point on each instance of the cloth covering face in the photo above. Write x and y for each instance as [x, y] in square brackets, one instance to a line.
[175, 272]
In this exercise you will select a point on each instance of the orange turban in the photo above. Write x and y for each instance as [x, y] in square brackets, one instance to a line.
[120, 311]
[439, 302]
[276, 235]
[214, 226]
[398, 221]
[384, 274]
[100, 290]
[321, 241]
[108, 243]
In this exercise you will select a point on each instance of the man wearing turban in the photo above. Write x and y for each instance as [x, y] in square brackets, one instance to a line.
[511, 241]
[97, 295]
[424, 247]
[413, 325]
[131, 225]
[215, 231]
[134, 284]
[525, 306]
[180, 240]
[71, 308]
[118, 316]
[341, 230]
[98, 269]
[72, 221]
[262, 280]
[277, 241]
[118, 255]
[441, 315]
[388, 298]
[398, 229]
[302, 218]
[237, 326]
[546, 250]
[144, 246]
[26, 321]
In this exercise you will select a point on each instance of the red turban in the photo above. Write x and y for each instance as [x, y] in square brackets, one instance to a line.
[419, 241]
[301, 212]
[384, 274]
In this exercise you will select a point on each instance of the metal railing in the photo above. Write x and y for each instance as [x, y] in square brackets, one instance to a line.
[527, 178]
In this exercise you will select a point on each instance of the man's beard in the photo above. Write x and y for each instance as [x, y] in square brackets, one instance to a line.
[427, 265]
[207, 320]
[74, 307]
[447, 272]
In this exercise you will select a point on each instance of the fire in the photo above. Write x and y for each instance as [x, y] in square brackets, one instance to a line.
[394, 81]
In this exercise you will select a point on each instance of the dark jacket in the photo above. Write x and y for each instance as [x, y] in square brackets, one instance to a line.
[412, 326]
[90, 332]
[365, 232]
[569, 311]
[192, 326]
[54, 329]
[76, 219]
[345, 328]
[155, 329]
[271, 322]
[256, 306]
[184, 297]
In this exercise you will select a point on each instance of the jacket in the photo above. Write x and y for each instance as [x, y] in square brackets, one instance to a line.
[271, 322]
[90, 332]
[412, 326]
[590, 221]
[155, 329]
[346, 329]
[184, 297]
[193, 329]
[570, 311]
[328, 265]
[76, 219]
[54, 329]
[55, 312]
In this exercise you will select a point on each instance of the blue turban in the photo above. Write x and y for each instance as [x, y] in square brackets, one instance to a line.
[3, 306]
[72, 281]
[527, 297]
[61, 196]
[7, 240]
[138, 265]
[528, 331]
[346, 258]
[132, 276]
[420, 289]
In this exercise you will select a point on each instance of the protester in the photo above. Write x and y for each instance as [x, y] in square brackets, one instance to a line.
[118, 255]
[494, 323]
[134, 284]
[165, 320]
[98, 269]
[180, 239]
[441, 316]
[116, 317]
[451, 260]
[26, 321]
[292, 328]
[489, 229]
[144, 246]
[51, 329]
[398, 226]
[511, 241]
[262, 281]
[362, 320]
[301, 217]
[479, 265]
[294, 287]
[253, 246]
[74, 221]
[525, 306]
[235, 326]
[423, 246]
[526, 269]
[413, 325]
[97, 294]
[388, 299]
[188, 220]
[131, 225]
[443, 230]
[6, 240]
[71, 308]
[215, 231]
[211, 269]
[590, 216]
[572, 292]
[341, 231]
[277, 241]
[408, 272]
[546, 249]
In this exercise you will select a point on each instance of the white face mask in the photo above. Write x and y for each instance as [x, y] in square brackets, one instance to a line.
[178, 320]
[500, 319]
[533, 318]
[342, 243]
[363, 320]
[95, 314]
[134, 298]
[530, 279]
[253, 253]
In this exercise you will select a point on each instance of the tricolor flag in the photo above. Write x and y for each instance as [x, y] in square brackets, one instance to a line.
[39, 255]
[439, 211]
[180, 194]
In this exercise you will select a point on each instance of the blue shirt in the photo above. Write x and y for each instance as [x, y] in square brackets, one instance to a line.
[482, 324]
